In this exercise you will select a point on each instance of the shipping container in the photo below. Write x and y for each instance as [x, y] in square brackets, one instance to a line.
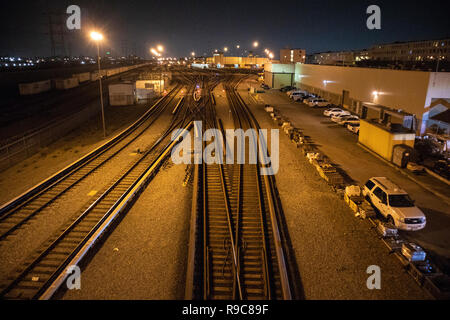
[34, 87]
[94, 76]
[64, 84]
[156, 85]
[145, 94]
[82, 77]
[122, 94]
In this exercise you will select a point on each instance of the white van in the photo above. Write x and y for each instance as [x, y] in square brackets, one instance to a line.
[394, 204]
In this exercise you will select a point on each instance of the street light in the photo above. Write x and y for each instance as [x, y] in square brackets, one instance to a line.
[256, 44]
[155, 53]
[97, 37]
[160, 49]
[225, 49]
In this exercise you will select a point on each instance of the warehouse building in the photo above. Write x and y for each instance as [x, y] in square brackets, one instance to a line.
[390, 94]
[278, 75]
[221, 61]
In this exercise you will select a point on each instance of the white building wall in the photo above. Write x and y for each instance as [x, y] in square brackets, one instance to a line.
[438, 87]
[397, 89]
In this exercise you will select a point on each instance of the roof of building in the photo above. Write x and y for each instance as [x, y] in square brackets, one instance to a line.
[413, 41]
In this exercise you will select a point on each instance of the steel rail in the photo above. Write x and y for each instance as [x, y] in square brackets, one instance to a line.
[240, 117]
[60, 187]
[57, 274]
[270, 190]
[63, 172]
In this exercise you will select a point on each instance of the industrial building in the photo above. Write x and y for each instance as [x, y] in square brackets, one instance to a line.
[292, 55]
[219, 60]
[278, 75]
[416, 92]
[390, 95]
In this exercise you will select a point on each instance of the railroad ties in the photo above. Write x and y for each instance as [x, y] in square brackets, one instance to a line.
[42, 273]
[236, 255]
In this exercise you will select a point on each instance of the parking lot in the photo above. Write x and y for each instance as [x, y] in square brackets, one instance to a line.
[340, 145]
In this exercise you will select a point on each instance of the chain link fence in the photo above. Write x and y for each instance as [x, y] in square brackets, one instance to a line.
[21, 147]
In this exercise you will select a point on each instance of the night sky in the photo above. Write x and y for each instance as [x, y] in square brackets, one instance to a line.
[202, 26]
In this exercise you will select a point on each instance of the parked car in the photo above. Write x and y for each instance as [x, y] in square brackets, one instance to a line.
[298, 97]
[289, 92]
[296, 92]
[345, 119]
[318, 103]
[287, 88]
[353, 127]
[340, 116]
[349, 120]
[309, 98]
[339, 113]
[394, 204]
[327, 112]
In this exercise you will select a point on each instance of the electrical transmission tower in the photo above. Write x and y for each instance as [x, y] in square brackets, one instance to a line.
[57, 32]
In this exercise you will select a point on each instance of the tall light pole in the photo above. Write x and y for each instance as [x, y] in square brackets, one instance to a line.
[97, 37]
[160, 50]
[255, 45]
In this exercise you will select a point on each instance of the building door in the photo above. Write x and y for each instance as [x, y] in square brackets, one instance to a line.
[364, 112]
[345, 99]
[282, 80]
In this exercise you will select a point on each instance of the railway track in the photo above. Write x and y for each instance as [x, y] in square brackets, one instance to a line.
[47, 270]
[235, 247]
[19, 211]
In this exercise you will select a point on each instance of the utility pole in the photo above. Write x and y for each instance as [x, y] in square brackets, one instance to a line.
[101, 90]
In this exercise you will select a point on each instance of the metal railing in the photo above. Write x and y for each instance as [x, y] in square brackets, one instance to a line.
[29, 144]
